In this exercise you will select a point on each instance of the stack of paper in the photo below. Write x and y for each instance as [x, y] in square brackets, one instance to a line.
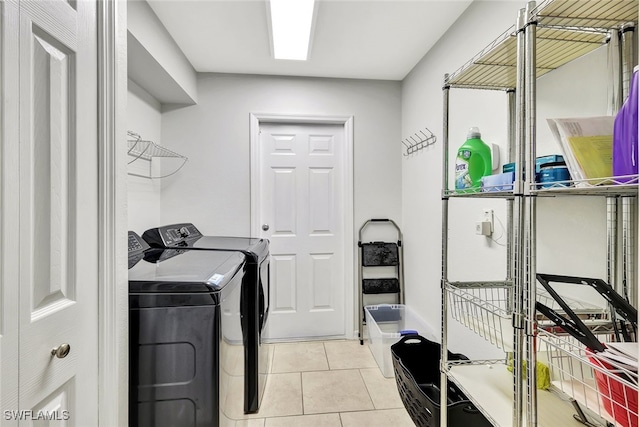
[622, 355]
[586, 145]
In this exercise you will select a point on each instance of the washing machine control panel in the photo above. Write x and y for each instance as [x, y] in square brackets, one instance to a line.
[137, 248]
[136, 244]
[172, 235]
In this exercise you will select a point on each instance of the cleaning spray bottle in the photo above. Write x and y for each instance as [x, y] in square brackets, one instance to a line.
[472, 162]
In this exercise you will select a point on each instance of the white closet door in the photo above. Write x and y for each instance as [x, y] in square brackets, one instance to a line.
[301, 200]
[58, 187]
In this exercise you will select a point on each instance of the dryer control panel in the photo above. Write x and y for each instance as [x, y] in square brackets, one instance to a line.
[174, 235]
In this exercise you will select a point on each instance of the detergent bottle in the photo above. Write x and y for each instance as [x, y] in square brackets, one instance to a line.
[472, 162]
[625, 135]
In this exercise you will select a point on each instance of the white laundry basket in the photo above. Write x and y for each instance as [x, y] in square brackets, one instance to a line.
[386, 324]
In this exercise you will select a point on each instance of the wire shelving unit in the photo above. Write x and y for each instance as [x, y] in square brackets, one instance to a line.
[546, 36]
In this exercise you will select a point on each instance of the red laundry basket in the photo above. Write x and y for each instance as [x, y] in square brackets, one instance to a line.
[618, 398]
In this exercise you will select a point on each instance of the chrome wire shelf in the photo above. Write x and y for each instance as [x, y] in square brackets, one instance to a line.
[627, 184]
[580, 13]
[141, 149]
[567, 30]
[478, 193]
[493, 68]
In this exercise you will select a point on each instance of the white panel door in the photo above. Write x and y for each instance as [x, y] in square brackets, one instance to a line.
[58, 212]
[301, 201]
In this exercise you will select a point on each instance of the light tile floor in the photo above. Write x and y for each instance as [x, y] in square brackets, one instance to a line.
[328, 384]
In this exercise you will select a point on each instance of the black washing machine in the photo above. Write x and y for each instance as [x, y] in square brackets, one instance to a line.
[187, 336]
[256, 253]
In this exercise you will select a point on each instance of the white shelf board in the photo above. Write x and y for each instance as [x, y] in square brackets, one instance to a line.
[150, 74]
[585, 393]
[490, 388]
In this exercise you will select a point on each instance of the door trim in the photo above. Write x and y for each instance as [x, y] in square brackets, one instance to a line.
[112, 222]
[256, 119]
[9, 208]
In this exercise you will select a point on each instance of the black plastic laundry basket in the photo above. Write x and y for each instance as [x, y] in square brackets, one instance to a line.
[416, 364]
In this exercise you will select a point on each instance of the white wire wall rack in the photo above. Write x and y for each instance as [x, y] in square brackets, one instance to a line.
[141, 149]
[418, 141]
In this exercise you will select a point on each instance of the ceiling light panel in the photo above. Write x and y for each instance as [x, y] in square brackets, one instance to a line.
[291, 22]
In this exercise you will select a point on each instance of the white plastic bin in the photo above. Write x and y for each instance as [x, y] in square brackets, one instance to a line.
[385, 325]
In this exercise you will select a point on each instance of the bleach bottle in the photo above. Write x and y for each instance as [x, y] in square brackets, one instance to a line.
[625, 135]
[472, 162]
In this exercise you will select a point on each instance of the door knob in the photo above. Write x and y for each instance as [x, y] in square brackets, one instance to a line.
[61, 351]
[265, 227]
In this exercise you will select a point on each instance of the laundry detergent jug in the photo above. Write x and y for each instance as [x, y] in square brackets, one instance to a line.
[472, 162]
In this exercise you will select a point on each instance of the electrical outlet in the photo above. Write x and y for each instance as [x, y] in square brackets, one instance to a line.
[487, 216]
[483, 228]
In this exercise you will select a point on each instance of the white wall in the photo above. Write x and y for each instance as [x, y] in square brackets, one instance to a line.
[577, 89]
[144, 117]
[212, 190]
[572, 227]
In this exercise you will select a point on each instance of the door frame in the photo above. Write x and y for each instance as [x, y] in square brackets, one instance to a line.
[256, 119]
[113, 289]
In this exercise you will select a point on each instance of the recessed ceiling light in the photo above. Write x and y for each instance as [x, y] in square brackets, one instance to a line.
[291, 22]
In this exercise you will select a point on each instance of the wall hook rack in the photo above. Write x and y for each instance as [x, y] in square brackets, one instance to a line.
[418, 141]
[140, 149]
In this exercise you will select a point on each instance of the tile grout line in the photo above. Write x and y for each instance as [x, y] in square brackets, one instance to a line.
[367, 388]
[326, 355]
[302, 393]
